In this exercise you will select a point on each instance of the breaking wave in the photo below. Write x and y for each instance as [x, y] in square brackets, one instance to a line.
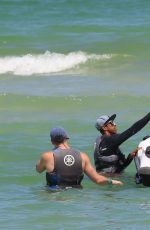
[46, 63]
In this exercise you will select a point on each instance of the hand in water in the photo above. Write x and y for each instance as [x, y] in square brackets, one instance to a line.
[117, 182]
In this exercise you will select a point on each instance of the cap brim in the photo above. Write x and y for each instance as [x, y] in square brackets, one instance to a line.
[111, 118]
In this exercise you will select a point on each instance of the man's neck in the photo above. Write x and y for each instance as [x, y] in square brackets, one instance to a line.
[107, 133]
[63, 145]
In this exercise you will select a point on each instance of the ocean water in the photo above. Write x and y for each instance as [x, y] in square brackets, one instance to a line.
[65, 63]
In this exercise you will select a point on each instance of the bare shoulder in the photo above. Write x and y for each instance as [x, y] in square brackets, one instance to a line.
[84, 157]
[47, 155]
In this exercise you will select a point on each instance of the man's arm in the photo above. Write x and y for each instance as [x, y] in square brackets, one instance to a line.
[93, 175]
[127, 161]
[40, 166]
[118, 139]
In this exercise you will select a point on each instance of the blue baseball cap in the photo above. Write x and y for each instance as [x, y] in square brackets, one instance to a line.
[103, 120]
[58, 134]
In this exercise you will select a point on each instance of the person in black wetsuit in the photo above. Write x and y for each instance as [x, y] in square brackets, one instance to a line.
[107, 154]
[65, 166]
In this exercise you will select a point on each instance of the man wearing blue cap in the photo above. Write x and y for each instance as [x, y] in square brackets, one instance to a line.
[65, 166]
[107, 154]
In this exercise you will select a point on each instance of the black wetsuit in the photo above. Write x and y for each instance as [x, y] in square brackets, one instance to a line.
[107, 155]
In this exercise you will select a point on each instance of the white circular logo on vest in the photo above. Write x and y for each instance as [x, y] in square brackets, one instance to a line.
[69, 160]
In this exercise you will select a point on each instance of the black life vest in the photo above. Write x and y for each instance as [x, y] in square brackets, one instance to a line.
[67, 168]
[105, 159]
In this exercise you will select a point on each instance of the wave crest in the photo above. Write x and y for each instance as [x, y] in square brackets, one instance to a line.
[46, 63]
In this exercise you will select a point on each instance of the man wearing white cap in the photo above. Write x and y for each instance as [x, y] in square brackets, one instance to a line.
[65, 166]
[107, 154]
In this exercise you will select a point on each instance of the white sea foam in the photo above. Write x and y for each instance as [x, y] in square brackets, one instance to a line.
[46, 63]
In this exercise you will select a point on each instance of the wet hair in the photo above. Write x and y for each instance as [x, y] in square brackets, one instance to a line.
[59, 140]
[101, 131]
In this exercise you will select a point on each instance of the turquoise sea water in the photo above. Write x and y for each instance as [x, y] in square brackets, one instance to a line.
[66, 63]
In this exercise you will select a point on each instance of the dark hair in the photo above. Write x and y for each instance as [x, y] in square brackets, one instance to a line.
[101, 131]
[58, 140]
